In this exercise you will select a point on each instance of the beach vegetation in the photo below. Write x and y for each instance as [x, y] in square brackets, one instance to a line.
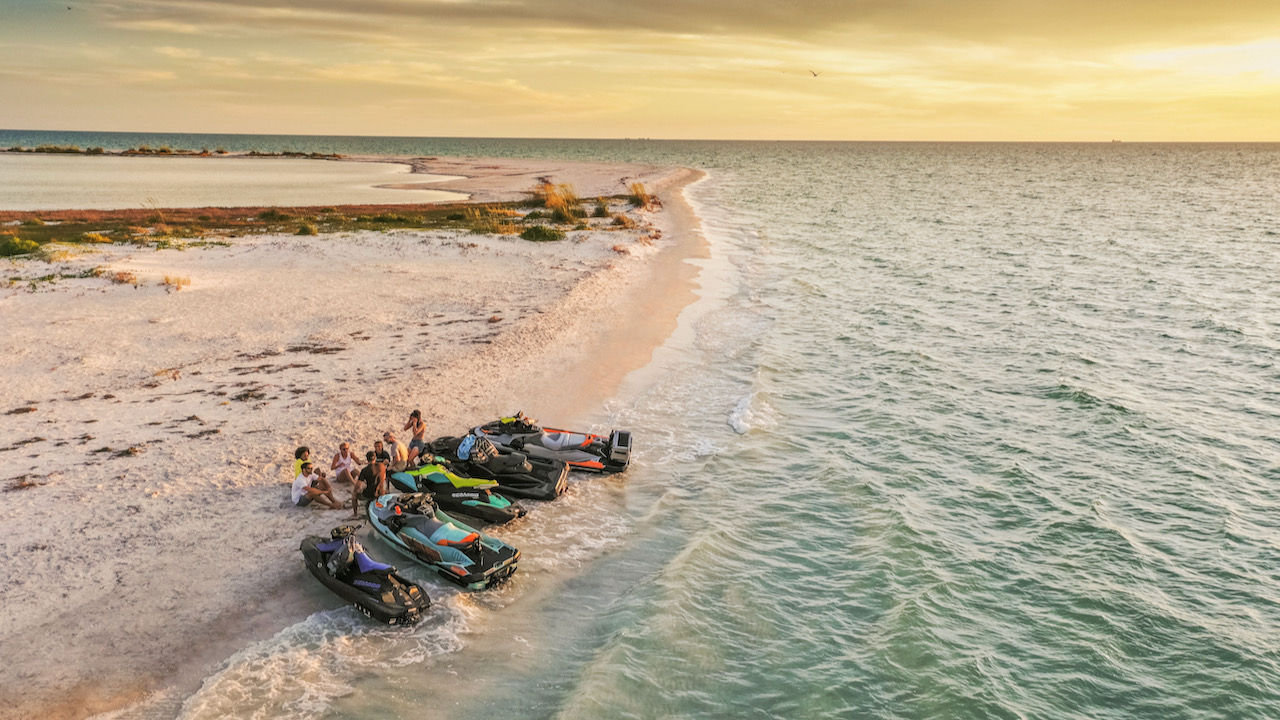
[602, 209]
[639, 196]
[542, 233]
[124, 277]
[492, 220]
[67, 149]
[174, 283]
[14, 245]
[273, 215]
[307, 228]
[623, 222]
[32, 222]
[52, 253]
[95, 237]
[559, 200]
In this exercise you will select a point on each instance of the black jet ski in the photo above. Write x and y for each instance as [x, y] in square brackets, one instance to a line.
[341, 564]
[472, 497]
[412, 525]
[582, 451]
[517, 474]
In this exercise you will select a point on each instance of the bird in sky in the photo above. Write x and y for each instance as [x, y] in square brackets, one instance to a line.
[815, 74]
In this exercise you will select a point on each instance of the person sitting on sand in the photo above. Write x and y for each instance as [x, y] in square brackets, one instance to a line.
[300, 456]
[344, 464]
[310, 486]
[371, 484]
[418, 443]
[399, 453]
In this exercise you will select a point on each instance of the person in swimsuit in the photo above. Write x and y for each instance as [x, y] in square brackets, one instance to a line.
[344, 464]
[418, 443]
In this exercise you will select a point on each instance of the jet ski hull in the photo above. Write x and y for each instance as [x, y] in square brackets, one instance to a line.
[412, 599]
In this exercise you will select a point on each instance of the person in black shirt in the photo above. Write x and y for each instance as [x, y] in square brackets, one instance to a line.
[371, 483]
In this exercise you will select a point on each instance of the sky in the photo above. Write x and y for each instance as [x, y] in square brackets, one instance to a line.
[1073, 70]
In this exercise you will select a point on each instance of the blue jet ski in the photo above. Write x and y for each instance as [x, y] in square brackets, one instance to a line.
[341, 564]
[413, 525]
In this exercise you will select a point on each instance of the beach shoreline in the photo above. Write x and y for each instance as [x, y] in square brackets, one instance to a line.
[192, 401]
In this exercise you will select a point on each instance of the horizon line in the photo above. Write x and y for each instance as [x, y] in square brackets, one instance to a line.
[1117, 141]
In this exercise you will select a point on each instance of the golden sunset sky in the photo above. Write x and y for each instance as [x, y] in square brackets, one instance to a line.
[1177, 70]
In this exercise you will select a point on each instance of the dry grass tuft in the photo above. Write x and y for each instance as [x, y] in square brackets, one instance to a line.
[624, 222]
[490, 220]
[56, 254]
[173, 283]
[620, 250]
[639, 196]
[560, 199]
[95, 237]
[124, 277]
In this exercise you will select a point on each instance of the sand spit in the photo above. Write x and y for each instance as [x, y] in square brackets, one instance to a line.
[147, 431]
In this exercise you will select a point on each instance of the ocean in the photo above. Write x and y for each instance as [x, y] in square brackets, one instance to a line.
[952, 431]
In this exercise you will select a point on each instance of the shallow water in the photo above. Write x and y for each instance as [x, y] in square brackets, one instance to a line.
[44, 181]
[956, 431]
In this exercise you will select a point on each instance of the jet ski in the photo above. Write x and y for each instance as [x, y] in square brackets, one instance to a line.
[453, 493]
[517, 474]
[413, 526]
[341, 564]
[582, 451]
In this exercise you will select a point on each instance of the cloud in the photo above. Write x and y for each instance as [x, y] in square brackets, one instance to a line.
[176, 52]
[1082, 22]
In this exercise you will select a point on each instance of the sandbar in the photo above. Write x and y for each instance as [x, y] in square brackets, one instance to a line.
[148, 431]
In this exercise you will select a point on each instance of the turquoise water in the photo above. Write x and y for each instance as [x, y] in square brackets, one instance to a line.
[954, 431]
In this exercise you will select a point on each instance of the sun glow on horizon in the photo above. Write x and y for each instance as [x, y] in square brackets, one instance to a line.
[931, 70]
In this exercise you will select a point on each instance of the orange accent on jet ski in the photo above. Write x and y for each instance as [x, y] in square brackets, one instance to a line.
[468, 539]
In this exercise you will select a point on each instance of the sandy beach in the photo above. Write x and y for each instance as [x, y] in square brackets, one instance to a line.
[148, 431]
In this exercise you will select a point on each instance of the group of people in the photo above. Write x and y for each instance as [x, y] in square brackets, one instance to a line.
[311, 483]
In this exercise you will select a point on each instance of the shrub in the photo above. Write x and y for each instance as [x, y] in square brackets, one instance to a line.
[95, 237]
[602, 209]
[272, 215]
[307, 229]
[33, 222]
[124, 277]
[542, 233]
[14, 245]
[95, 151]
[639, 196]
